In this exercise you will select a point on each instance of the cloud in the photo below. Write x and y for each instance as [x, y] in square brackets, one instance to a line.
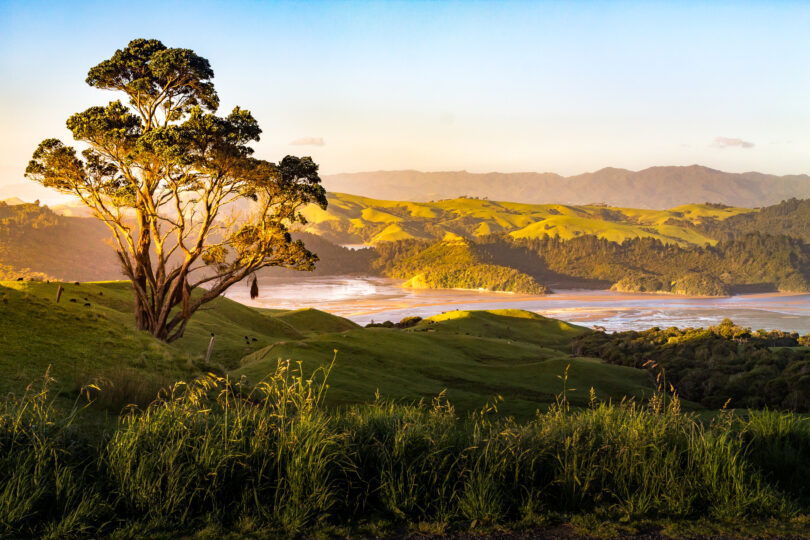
[726, 142]
[308, 141]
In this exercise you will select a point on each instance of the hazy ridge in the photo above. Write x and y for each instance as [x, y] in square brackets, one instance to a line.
[655, 187]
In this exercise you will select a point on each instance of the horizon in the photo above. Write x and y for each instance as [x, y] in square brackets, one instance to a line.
[450, 86]
[28, 191]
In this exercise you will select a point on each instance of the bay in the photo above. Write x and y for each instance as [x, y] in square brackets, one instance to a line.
[367, 299]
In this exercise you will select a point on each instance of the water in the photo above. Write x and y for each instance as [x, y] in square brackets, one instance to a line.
[366, 299]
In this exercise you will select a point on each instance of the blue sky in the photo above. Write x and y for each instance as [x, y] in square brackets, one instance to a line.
[483, 86]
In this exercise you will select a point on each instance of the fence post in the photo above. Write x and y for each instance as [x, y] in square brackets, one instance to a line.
[210, 349]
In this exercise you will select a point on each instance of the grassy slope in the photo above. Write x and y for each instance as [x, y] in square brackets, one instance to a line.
[474, 355]
[36, 332]
[351, 217]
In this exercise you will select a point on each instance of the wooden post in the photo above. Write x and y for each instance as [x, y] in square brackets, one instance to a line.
[210, 349]
[59, 290]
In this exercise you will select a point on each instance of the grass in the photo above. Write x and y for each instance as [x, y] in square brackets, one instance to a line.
[351, 218]
[415, 365]
[215, 457]
[471, 355]
[313, 321]
[76, 338]
[508, 324]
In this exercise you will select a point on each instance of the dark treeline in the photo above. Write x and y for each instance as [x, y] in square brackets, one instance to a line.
[751, 262]
[646, 264]
[724, 364]
[791, 217]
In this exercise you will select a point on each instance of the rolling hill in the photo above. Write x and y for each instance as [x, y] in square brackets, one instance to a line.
[354, 219]
[655, 187]
[473, 355]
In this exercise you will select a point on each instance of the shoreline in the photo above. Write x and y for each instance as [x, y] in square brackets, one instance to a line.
[363, 299]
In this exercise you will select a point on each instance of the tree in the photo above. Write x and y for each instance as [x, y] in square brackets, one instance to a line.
[163, 172]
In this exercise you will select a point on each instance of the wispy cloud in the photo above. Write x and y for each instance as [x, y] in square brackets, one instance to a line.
[726, 142]
[308, 141]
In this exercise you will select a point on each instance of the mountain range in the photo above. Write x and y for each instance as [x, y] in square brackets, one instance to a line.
[655, 187]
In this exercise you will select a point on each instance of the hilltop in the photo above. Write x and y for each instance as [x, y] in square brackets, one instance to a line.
[655, 187]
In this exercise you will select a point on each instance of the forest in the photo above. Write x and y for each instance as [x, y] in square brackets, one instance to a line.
[790, 217]
[720, 366]
[751, 262]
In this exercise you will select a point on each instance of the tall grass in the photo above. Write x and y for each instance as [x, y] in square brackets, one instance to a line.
[271, 457]
[212, 447]
[44, 490]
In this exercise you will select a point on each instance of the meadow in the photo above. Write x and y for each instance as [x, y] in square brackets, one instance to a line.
[302, 423]
[89, 336]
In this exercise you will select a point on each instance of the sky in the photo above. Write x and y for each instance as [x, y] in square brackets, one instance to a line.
[565, 87]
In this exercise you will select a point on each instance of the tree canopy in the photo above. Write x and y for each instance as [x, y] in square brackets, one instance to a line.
[170, 179]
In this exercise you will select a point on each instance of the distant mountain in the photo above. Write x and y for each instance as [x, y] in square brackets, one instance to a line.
[656, 187]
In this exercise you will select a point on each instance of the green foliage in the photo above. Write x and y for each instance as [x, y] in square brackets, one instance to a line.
[46, 479]
[717, 366]
[790, 217]
[455, 264]
[270, 460]
[216, 447]
[169, 165]
[752, 260]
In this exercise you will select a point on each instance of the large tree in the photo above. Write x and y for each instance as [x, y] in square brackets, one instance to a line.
[166, 176]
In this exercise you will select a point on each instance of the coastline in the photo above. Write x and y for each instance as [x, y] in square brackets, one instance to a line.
[363, 299]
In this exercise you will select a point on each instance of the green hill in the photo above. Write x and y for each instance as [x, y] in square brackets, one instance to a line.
[313, 321]
[509, 324]
[455, 263]
[473, 355]
[353, 219]
[91, 331]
